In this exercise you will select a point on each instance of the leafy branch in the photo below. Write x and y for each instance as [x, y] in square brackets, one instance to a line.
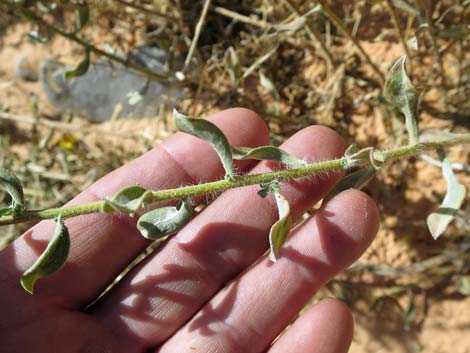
[162, 222]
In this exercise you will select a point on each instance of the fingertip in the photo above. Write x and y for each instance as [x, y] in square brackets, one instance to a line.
[347, 224]
[338, 314]
[357, 212]
[316, 143]
[327, 327]
[242, 122]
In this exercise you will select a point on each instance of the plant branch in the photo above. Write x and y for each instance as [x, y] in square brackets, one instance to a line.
[240, 181]
[337, 21]
[396, 22]
[31, 16]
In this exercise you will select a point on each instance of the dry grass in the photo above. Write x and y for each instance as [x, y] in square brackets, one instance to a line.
[294, 64]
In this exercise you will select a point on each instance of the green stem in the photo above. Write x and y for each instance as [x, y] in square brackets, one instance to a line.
[239, 181]
[31, 16]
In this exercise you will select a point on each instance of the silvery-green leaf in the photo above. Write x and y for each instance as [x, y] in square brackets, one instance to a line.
[51, 260]
[400, 92]
[279, 230]
[127, 200]
[355, 180]
[267, 153]
[268, 84]
[12, 185]
[207, 131]
[438, 221]
[233, 65]
[269, 188]
[163, 221]
[82, 15]
[81, 69]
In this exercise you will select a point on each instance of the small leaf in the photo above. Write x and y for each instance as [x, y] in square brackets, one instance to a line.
[6, 211]
[38, 37]
[267, 153]
[269, 188]
[12, 185]
[82, 15]
[355, 180]
[232, 66]
[207, 131]
[81, 69]
[438, 221]
[400, 92]
[163, 221]
[463, 285]
[127, 200]
[279, 230]
[51, 260]
[134, 97]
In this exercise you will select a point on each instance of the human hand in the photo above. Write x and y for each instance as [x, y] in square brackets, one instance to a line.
[210, 288]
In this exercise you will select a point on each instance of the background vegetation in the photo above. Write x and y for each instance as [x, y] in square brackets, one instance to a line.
[296, 63]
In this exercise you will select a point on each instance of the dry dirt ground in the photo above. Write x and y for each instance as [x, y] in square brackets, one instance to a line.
[393, 313]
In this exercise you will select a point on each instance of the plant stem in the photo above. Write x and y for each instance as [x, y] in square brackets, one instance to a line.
[31, 16]
[337, 21]
[197, 33]
[239, 181]
[313, 31]
[396, 22]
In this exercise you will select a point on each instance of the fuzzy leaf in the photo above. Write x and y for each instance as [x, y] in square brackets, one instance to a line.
[81, 69]
[355, 180]
[163, 221]
[207, 131]
[401, 93]
[268, 188]
[127, 200]
[12, 185]
[438, 221]
[267, 153]
[51, 260]
[279, 230]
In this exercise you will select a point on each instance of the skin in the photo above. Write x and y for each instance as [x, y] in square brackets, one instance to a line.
[210, 288]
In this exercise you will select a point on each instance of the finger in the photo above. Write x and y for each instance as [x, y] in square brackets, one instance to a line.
[249, 313]
[327, 327]
[103, 244]
[231, 233]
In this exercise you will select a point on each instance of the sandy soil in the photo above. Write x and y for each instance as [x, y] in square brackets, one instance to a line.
[405, 192]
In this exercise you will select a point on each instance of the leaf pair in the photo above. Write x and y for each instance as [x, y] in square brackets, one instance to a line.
[207, 131]
[155, 224]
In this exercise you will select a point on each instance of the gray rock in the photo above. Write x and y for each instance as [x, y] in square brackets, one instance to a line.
[107, 85]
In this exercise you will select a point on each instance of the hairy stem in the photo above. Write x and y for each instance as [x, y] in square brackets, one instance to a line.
[239, 181]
